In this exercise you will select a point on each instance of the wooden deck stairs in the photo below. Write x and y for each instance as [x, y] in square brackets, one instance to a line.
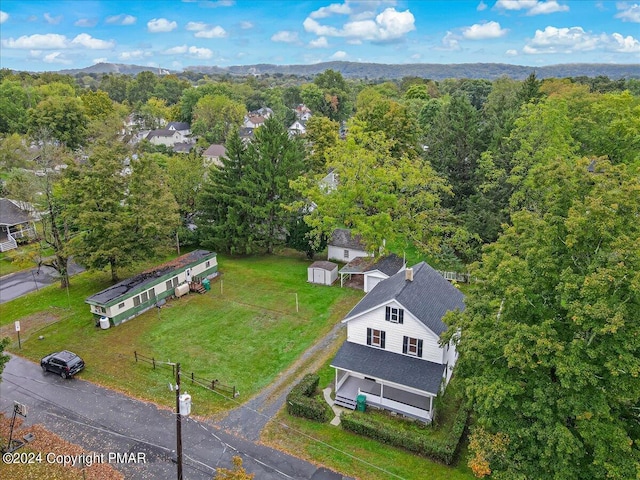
[197, 287]
[345, 402]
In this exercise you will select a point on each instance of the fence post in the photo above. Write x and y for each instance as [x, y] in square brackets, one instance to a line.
[136, 355]
[234, 391]
[191, 378]
[173, 370]
[213, 384]
[153, 360]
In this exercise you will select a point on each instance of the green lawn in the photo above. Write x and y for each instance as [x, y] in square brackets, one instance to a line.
[244, 332]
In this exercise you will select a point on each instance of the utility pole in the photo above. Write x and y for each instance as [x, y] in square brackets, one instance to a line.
[178, 424]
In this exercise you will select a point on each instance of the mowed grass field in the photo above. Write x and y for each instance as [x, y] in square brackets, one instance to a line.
[243, 332]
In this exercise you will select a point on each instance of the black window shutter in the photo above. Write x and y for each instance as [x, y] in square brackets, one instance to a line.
[405, 344]
[382, 335]
[420, 348]
[400, 315]
[368, 336]
[387, 314]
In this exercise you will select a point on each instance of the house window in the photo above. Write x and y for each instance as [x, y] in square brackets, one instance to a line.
[375, 337]
[152, 293]
[412, 346]
[121, 306]
[208, 264]
[394, 315]
[144, 297]
[346, 254]
[168, 285]
[136, 300]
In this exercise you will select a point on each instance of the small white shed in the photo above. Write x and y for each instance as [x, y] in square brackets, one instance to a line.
[322, 272]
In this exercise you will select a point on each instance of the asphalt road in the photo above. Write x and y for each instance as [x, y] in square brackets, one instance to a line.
[25, 281]
[103, 421]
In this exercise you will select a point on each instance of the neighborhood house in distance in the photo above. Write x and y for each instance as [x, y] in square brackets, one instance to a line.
[392, 355]
[131, 297]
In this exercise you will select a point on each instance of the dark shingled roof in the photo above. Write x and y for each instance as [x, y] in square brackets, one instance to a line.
[389, 366]
[389, 264]
[342, 237]
[178, 126]
[11, 214]
[323, 264]
[428, 297]
[163, 132]
[150, 277]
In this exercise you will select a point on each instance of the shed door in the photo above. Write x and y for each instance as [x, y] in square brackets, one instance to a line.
[318, 275]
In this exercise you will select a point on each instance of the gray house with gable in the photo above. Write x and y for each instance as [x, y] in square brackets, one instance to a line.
[392, 354]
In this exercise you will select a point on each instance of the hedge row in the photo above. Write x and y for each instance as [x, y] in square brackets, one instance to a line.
[442, 450]
[302, 402]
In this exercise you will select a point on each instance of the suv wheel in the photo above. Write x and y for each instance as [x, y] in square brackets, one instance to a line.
[63, 374]
[44, 368]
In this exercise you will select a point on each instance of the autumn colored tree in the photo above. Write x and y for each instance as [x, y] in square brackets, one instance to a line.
[236, 473]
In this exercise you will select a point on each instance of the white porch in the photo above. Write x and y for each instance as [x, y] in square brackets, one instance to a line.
[384, 395]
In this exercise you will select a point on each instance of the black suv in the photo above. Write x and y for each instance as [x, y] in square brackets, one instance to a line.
[64, 363]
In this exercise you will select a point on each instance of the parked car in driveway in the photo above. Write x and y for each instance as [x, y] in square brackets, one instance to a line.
[64, 363]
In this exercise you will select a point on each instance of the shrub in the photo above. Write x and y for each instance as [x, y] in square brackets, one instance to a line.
[302, 400]
[418, 441]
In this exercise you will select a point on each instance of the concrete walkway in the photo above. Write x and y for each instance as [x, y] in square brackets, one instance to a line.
[336, 409]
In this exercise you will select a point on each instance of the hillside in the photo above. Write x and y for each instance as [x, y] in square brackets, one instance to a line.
[489, 71]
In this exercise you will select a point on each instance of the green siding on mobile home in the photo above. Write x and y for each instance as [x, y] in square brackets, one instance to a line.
[133, 296]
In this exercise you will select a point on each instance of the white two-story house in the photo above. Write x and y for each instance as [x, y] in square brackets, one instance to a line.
[391, 354]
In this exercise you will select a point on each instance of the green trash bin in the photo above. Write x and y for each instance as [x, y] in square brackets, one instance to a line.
[206, 284]
[361, 403]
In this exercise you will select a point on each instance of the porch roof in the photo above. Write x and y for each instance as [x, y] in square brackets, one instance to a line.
[392, 367]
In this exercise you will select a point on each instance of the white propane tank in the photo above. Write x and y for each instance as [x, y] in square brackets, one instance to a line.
[104, 323]
[182, 290]
[185, 404]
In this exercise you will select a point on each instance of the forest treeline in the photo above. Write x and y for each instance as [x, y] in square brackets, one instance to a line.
[531, 185]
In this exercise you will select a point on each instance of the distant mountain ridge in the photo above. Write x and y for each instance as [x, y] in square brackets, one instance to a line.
[488, 71]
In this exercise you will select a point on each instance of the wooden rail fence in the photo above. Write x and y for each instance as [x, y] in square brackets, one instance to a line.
[213, 385]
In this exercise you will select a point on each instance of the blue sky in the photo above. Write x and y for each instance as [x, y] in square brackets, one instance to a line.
[51, 35]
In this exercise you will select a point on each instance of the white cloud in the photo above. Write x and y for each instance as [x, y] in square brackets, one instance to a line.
[416, 56]
[56, 57]
[100, 60]
[212, 32]
[246, 25]
[48, 41]
[285, 36]
[511, 52]
[134, 54]
[339, 55]
[4, 16]
[561, 40]
[450, 42]
[482, 6]
[86, 22]
[533, 7]
[544, 8]
[161, 25]
[52, 20]
[628, 13]
[201, 53]
[387, 26]
[217, 3]
[334, 8]
[196, 26]
[35, 53]
[482, 31]
[621, 44]
[320, 42]
[181, 49]
[121, 19]
[87, 41]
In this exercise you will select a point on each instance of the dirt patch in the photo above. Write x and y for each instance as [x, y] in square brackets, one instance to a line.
[28, 325]
[46, 442]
